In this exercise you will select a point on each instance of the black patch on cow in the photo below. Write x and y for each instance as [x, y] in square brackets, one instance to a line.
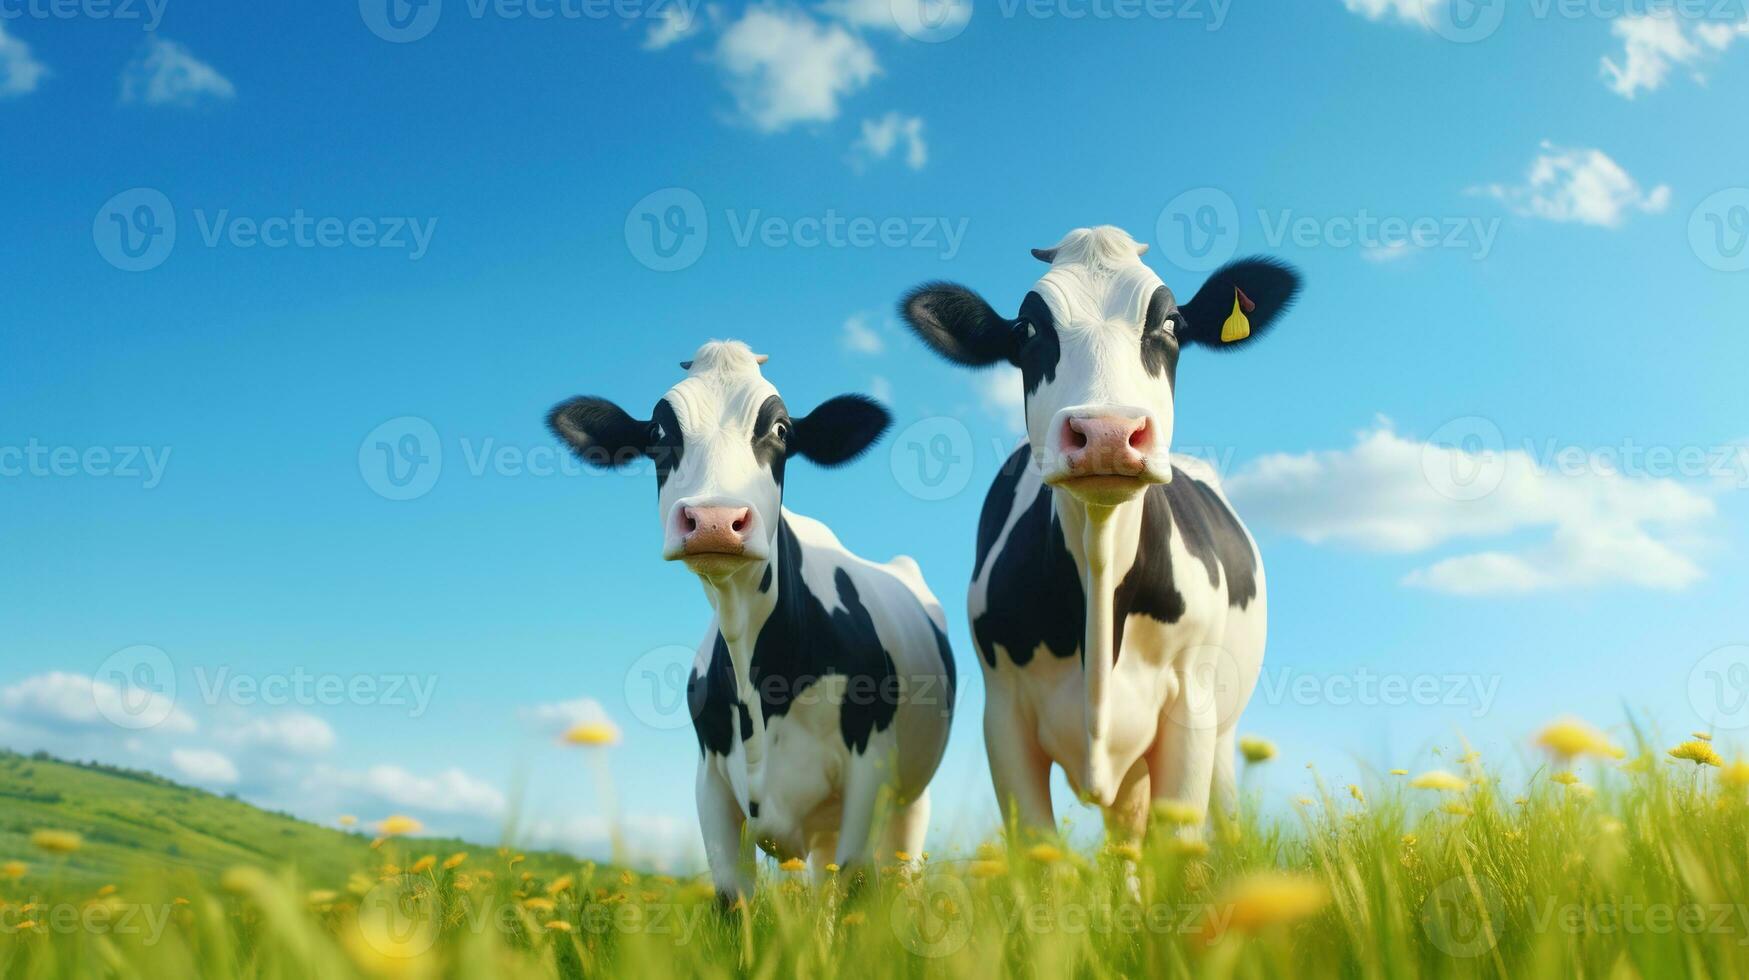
[710, 696]
[1037, 349]
[765, 582]
[1211, 531]
[1034, 591]
[1159, 336]
[771, 437]
[997, 505]
[753, 809]
[1149, 587]
[947, 665]
[666, 442]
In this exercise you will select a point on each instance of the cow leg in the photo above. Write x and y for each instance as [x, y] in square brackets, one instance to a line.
[1020, 770]
[1225, 786]
[726, 850]
[1126, 822]
[866, 776]
[1182, 762]
[906, 833]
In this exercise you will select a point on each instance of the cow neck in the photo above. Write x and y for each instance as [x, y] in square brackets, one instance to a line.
[744, 612]
[1104, 542]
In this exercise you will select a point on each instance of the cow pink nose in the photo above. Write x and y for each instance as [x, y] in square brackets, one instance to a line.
[715, 530]
[1107, 445]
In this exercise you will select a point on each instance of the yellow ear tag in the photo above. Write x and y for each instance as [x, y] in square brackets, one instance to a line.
[1238, 326]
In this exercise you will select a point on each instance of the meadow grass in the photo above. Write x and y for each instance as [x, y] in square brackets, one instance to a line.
[1594, 868]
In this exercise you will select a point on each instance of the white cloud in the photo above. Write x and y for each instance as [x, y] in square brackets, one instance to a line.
[450, 791]
[783, 67]
[940, 18]
[1003, 392]
[1393, 252]
[1654, 43]
[65, 703]
[19, 70]
[204, 766]
[673, 24]
[881, 136]
[1578, 185]
[1410, 11]
[294, 732]
[167, 74]
[1392, 494]
[553, 720]
[860, 337]
[658, 841]
[881, 389]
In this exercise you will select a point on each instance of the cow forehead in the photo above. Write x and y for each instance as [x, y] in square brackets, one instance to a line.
[719, 401]
[1082, 296]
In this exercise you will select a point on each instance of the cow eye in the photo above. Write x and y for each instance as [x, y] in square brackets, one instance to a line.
[780, 429]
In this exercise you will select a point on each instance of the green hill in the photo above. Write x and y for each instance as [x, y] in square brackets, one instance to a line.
[136, 822]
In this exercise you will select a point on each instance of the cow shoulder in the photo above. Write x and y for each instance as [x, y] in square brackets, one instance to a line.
[717, 710]
[1033, 591]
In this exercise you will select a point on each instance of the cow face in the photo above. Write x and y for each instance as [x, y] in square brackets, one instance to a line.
[1097, 342]
[719, 440]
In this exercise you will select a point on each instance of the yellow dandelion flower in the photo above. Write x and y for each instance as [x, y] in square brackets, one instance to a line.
[1469, 757]
[1399, 772]
[399, 825]
[1703, 736]
[1564, 778]
[1189, 847]
[592, 734]
[1734, 774]
[347, 820]
[1127, 850]
[563, 883]
[423, 865]
[558, 925]
[1256, 749]
[901, 856]
[1177, 812]
[793, 865]
[854, 918]
[538, 904]
[57, 841]
[1355, 792]
[179, 901]
[1580, 791]
[455, 860]
[322, 896]
[1568, 738]
[1304, 800]
[1409, 840]
[14, 869]
[106, 891]
[1266, 899]
[464, 882]
[516, 859]
[1456, 809]
[1699, 753]
[832, 868]
[988, 869]
[1440, 780]
[1045, 853]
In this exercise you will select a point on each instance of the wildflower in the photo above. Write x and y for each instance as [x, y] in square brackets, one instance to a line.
[832, 868]
[244, 880]
[1440, 780]
[179, 901]
[1699, 753]
[901, 856]
[558, 925]
[1355, 792]
[1735, 774]
[563, 883]
[1303, 800]
[13, 869]
[57, 841]
[988, 869]
[398, 825]
[423, 865]
[347, 820]
[464, 882]
[794, 865]
[1703, 736]
[1188, 847]
[1580, 790]
[1256, 749]
[322, 896]
[1173, 811]
[1045, 853]
[1399, 772]
[1126, 850]
[1456, 809]
[1269, 898]
[854, 919]
[106, 891]
[592, 734]
[455, 860]
[1408, 840]
[1469, 757]
[1564, 778]
[538, 904]
[1570, 737]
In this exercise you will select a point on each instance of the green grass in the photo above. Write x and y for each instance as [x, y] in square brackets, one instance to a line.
[1644, 872]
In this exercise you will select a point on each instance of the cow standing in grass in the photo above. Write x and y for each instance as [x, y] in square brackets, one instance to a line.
[823, 691]
[1116, 600]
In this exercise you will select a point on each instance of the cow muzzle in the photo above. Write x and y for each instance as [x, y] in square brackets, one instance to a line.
[1105, 455]
[713, 537]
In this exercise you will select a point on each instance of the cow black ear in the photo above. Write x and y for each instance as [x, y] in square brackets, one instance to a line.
[957, 324]
[1238, 303]
[600, 432]
[840, 430]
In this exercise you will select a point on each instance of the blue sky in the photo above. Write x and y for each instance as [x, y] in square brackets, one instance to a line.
[1497, 449]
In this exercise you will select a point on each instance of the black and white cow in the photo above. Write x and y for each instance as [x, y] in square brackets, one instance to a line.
[823, 691]
[1116, 600]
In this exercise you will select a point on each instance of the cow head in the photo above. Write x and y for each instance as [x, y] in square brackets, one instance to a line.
[1097, 341]
[719, 440]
